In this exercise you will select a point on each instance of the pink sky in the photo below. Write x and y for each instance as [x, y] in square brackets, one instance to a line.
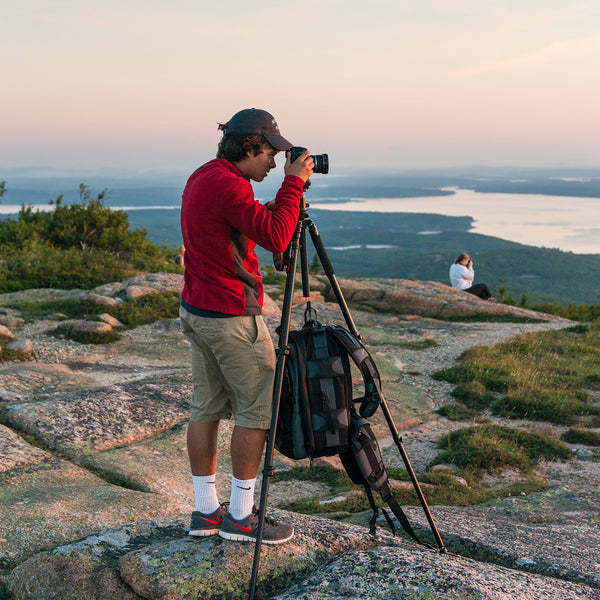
[142, 85]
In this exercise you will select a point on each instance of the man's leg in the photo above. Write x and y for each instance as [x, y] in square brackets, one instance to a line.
[246, 453]
[202, 452]
[241, 523]
[202, 447]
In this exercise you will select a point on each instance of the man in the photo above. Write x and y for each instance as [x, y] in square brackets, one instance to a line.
[233, 360]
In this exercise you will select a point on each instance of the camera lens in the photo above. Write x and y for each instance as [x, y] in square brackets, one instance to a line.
[321, 163]
[321, 160]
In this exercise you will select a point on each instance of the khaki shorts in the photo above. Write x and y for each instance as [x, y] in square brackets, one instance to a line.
[233, 367]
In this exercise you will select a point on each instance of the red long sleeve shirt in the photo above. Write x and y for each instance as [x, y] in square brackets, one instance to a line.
[221, 223]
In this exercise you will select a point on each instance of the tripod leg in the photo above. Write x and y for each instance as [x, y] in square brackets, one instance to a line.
[304, 264]
[328, 268]
[413, 477]
[281, 356]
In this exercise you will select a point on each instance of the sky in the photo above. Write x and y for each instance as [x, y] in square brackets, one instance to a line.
[132, 84]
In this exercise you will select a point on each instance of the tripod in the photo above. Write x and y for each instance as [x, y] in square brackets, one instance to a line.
[298, 247]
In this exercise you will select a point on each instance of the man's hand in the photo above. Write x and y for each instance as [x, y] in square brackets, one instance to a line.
[302, 167]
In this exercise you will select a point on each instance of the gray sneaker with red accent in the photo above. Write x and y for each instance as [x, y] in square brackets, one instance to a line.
[245, 530]
[207, 524]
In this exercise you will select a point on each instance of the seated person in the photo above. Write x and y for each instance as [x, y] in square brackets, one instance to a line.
[462, 275]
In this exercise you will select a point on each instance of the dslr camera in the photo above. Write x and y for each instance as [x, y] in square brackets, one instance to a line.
[321, 160]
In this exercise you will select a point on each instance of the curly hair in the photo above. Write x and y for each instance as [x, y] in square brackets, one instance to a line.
[235, 146]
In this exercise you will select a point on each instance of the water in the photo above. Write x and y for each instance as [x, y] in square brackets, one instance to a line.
[564, 222]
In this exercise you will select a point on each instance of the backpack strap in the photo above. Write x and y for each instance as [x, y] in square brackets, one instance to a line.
[388, 498]
[364, 464]
[366, 365]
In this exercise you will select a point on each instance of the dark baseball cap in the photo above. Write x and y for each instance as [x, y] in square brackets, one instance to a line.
[255, 121]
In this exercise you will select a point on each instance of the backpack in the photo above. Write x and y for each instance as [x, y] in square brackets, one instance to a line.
[316, 394]
[317, 415]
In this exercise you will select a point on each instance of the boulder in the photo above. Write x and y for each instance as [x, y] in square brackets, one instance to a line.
[427, 299]
[22, 348]
[104, 418]
[157, 559]
[11, 321]
[16, 452]
[112, 321]
[102, 300]
[110, 289]
[6, 332]
[270, 307]
[404, 573]
[76, 327]
[133, 292]
[165, 282]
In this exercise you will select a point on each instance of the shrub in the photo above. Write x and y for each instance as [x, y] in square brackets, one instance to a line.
[75, 246]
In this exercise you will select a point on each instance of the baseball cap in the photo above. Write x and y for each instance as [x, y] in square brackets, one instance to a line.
[255, 121]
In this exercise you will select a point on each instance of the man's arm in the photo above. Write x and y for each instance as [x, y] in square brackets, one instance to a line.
[272, 227]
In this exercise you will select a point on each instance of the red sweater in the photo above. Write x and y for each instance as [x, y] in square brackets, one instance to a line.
[221, 223]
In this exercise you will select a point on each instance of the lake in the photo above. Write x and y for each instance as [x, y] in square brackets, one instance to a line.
[564, 222]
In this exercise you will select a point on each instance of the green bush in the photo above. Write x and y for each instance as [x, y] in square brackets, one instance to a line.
[88, 337]
[147, 309]
[75, 246]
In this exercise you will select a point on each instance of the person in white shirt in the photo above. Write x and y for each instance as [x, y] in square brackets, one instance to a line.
[462, 276]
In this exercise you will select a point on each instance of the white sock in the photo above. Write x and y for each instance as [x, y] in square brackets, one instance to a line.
[205, 493]
[242, 497]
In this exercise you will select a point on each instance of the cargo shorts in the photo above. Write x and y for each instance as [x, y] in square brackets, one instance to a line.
[233, 368]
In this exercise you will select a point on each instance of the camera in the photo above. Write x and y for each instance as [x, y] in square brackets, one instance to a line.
[321, 160]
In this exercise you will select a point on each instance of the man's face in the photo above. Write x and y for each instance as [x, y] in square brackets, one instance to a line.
[257, 166]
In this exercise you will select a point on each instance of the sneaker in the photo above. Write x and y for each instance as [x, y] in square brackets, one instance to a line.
[245, 530]
[204, 525]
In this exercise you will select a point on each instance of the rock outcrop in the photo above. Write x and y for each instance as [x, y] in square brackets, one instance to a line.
[427, 299]
[96, 492]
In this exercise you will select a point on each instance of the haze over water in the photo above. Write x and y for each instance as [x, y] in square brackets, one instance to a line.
[563, 222]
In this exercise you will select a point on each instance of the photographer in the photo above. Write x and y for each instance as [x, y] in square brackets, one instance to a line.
[462, 275]
[233, 359]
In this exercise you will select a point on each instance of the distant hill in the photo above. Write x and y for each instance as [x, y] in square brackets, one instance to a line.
[420, 245]
[541, 274]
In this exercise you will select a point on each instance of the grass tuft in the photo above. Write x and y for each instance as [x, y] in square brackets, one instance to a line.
[456, 411]
[492, 447]
[132, 313]
[581, 436]
[538, 376]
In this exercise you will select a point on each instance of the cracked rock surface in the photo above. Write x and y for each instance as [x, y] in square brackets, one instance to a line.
[96, 493]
